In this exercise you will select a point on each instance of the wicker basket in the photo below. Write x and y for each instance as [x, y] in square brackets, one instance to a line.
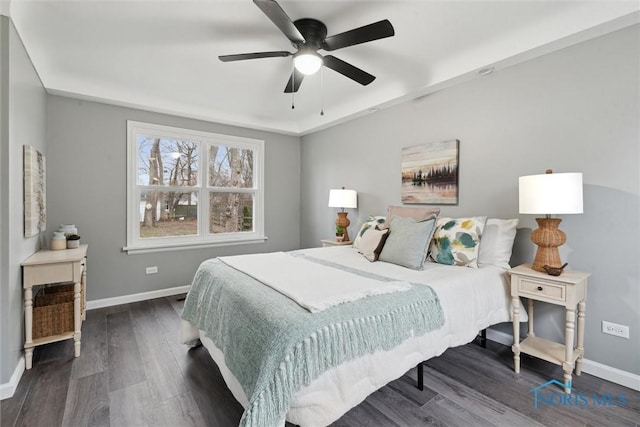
[53, 311]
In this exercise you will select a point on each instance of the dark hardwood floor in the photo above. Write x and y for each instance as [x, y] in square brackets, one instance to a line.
[133, 371]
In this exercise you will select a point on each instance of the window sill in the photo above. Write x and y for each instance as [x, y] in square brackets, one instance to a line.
[132, 250]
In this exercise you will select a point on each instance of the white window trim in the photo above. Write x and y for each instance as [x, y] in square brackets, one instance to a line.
[204, 240]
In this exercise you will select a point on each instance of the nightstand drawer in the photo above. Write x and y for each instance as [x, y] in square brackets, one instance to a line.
[535, 289]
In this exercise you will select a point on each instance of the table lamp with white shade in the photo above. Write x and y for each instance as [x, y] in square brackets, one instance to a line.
[343, 198]
[547, 194]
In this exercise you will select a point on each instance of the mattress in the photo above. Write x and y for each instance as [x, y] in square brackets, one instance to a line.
[472, 299]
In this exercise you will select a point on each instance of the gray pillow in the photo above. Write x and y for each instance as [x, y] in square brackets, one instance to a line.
[408, 241]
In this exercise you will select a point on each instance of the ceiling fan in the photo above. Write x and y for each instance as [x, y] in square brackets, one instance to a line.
[310, 35]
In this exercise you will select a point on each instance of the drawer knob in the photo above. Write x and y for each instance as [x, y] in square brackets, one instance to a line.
[539, 288]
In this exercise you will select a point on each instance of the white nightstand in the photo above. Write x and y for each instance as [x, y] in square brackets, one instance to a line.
[332, 242]
[568, 290]
[48, 267]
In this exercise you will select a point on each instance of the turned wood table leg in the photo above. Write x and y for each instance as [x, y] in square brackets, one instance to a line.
[28, 328]
[530, 314]
[567, 366]
[83, 281]
[580, 347]
[516, 334]
[77, 317]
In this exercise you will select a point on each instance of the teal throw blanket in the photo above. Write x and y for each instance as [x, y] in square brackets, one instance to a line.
[274, 347]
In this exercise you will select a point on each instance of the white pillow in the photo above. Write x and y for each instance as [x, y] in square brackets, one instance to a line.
[371, 243]
[496, 243]
[371, 222]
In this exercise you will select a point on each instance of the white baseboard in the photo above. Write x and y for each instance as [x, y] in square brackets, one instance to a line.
[596, 369]
[500, 337]
[143, 296]
[609, 373]
[8, 389]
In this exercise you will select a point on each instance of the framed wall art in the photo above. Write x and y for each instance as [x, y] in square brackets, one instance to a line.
[430, 173]
[35, 192]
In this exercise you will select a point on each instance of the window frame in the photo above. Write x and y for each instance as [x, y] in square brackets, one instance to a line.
[204, 139]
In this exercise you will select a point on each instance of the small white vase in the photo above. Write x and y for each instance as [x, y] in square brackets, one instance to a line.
[68, 229]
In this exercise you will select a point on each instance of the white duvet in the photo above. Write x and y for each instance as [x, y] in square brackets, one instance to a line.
[325, 286]
[472, 299]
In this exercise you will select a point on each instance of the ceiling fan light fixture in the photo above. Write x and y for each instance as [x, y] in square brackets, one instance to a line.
[307, 62]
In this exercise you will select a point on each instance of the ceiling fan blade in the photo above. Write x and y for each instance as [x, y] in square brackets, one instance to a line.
[348, 70]
[256, 55]
[294, 82]
[274, 12]
[377, 30]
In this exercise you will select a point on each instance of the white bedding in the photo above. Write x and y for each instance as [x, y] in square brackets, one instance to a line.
[472, 299]
[325, 286]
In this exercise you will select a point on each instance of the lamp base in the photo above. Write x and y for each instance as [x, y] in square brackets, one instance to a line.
[548, 237]
[343, 221]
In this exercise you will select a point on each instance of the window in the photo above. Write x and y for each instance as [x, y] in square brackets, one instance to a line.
[189, 188]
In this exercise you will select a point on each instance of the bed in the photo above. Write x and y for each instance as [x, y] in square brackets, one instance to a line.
[461, 301]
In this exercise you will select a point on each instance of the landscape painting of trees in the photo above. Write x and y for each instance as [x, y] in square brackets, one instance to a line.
[430, 173]
[35, 192]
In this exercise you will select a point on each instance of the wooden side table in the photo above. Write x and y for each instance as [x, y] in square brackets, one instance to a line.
[45, 267]
[568, 290]
[329, 242]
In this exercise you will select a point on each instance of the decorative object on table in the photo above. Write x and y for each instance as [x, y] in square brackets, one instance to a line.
[35, 192]
[430, 173]
[343, 198]
[68, 229]
[339, 233]
[554, 271]
[549, 193]
[58, 241]
[73, 241]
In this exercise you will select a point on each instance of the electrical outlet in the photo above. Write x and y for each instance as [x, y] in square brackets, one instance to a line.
[152, 270]
[615, 329]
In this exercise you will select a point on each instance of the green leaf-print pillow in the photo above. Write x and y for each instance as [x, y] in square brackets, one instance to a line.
[456, 241]
[371, 222]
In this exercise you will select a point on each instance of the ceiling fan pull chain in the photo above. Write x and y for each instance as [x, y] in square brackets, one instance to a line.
[293, 84]
[322, 91]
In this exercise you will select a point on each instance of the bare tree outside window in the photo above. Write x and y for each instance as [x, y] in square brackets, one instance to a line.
[230, 168]
[169, 168]
[192, 188]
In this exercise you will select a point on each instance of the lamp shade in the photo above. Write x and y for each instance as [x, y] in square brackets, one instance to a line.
[307, 62]
[341, 198]
[551, 193]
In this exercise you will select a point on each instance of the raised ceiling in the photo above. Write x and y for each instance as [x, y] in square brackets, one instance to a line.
[163, 55]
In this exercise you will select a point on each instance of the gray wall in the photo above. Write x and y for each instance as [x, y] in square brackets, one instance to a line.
[4, 198]
[86, 186]
[576, 110]
[24, 95]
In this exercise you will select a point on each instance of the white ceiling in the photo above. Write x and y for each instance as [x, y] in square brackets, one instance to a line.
[162, 55]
